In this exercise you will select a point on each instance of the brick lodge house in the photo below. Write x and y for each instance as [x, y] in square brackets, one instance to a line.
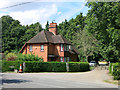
[51, 46]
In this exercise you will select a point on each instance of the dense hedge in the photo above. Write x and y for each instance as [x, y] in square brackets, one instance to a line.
[78, 66]
[37, 66]
[8, 65]
[116, 70]
[45, 67]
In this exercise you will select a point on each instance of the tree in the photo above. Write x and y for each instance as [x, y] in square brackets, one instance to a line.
[14, 35]
[103, 20]
[86, 43]
[47, 26]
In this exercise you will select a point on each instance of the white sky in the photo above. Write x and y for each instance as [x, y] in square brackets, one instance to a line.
[41, 11]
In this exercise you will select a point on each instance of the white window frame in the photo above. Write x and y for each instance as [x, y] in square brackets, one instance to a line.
[61, 59]
[69, 46]
[30, 48]
[41, 47]
[61, 47]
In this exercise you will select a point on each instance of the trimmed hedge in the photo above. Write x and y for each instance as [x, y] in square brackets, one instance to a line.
[45, 67]
[78, 66]
[116, 70]
[37, 66]
[7, 65]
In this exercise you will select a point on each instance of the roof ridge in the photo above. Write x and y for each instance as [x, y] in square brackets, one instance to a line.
[46, 36]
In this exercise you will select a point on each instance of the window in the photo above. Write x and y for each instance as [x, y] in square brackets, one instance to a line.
[67, 48]
[42, 48]
[61, 59]
[30, 48]
[61, 47]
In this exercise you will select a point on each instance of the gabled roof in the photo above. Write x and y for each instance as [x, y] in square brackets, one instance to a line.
[48, 37]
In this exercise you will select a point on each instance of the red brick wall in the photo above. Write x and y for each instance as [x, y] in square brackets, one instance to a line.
[48, 49]
[36, 50]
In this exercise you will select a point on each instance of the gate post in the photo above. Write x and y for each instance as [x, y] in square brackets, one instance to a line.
[67, 67]
[24, 66]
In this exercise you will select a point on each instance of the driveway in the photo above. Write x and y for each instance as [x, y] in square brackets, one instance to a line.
[91, 79]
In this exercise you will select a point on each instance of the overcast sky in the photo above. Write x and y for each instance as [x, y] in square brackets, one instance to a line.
[32, 11]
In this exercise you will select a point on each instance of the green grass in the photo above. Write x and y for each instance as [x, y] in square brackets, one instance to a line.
[112, 81]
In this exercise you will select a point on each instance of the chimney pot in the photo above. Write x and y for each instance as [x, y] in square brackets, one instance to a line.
[53, 28]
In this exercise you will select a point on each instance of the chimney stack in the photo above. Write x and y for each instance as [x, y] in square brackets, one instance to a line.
[53, 28]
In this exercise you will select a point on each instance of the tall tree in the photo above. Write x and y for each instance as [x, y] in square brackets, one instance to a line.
[47, 26]
[103, 20]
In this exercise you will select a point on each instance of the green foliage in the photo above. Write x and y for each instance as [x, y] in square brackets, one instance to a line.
[37, 66]
[14, 35]
[45, 67]
[10, 65]
[69, 28]
[11, 57]
[78, 66]
[103, 21]
[116, 70]
[47, 26]
[28, 57]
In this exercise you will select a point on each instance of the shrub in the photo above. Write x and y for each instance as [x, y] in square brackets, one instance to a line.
[45, 67]
[78, 66]
[116, 70]
[37, 66]
[31, 57]
[11, 57]
[28, 57]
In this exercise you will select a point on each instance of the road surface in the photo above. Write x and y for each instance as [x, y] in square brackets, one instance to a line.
[91, 79]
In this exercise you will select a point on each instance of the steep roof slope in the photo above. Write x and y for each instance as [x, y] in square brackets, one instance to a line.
[48, 37]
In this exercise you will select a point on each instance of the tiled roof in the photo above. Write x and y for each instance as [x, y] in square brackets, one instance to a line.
[48, 37]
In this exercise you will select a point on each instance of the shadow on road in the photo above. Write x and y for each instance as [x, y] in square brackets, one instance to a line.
[13, 81]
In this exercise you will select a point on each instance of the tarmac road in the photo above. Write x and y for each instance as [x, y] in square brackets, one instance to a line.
[91, 79]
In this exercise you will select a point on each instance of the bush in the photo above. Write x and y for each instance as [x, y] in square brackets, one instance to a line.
[116, 70]
[78, 66]
[45, 67]
[37, 66]
[28, 57]
[11, 57]
[10, 65]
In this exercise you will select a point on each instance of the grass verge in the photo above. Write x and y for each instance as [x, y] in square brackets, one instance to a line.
[112, 81]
